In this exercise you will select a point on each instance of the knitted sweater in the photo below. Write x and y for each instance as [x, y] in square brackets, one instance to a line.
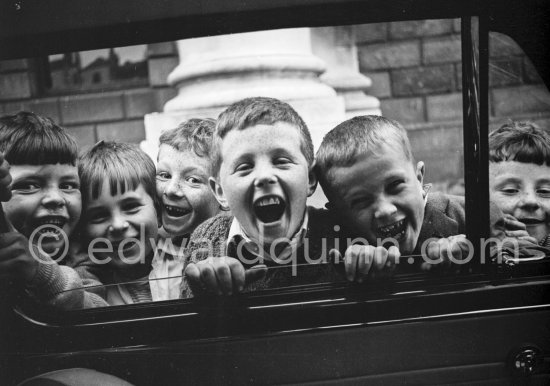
[210, 239]
[62, 287]
[111, 288]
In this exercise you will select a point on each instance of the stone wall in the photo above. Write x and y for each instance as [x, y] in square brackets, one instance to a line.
[415, 68]
[116, 114]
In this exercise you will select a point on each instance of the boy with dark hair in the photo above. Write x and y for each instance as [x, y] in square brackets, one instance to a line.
[262, 170]
[119, 219]
[42, 209]
[519, 176]
[183, 169]
[366, 168]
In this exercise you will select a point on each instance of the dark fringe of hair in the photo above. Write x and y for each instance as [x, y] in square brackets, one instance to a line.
[123, 166]
[520, 141]
[30, 139]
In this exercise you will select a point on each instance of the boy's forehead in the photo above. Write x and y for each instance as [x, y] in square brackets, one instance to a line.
[518, 171]
[44, 170]
[182, 159]
[264, 133]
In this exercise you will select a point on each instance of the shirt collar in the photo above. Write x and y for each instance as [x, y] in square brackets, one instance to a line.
[237, 232]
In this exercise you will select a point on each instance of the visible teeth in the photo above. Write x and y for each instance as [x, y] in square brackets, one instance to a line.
[269, 201]
[173, 210]
[392, 229]
[56, 222]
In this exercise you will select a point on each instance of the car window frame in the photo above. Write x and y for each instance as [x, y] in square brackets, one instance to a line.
[19, 43]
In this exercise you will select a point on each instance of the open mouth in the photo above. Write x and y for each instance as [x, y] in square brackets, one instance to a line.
[396, 230]
[51, 225]
[269, 209]
[174, 211]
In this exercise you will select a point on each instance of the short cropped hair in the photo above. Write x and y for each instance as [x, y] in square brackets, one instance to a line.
[27, 138]
[520, 141]
[258, 111]
[194, 134]
[123, 166]
[344, 144]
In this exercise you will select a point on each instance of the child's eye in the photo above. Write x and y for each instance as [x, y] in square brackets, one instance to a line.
[360, 203]
[282, 161]
[193, 180]
[26, 187]
[97, 217]
[509, 190]
[243, 167]
[396, 185]
[544, 192]
[69, 186]
[163, 176]
[131, 208]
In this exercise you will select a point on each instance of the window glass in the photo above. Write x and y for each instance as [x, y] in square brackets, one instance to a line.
[85, 71]
[409, 72]
[519, 174]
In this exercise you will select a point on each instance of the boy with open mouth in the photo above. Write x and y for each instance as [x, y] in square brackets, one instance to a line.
[183, 169]
[262, 170]
[42, 206]
[374, 186]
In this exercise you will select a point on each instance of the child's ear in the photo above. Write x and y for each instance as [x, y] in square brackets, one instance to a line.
[217, 190]
[312, 181]
[420, 172]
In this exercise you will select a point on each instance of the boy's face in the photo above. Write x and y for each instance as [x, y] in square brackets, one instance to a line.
[44, 195]
[131, 215]
[523, 190]
[382, 197]
[264, 179]
[182, 186]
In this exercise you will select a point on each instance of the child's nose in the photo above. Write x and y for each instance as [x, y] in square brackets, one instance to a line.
[174, 188]
[264, 176]
[384, 208]
[53, 198]
[119, 224]
[529, 200]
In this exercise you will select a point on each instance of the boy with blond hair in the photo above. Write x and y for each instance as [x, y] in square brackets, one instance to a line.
[183, 169]
[366, 168]
[262, 170]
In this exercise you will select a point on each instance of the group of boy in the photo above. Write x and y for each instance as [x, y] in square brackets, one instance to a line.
[225, 210]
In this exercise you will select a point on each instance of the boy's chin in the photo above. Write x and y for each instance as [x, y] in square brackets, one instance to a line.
[53, 248]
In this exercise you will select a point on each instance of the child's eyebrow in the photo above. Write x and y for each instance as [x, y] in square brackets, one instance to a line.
[507, 179]
[192, 169]
[241, 158]
[29, 175]
[130, 199]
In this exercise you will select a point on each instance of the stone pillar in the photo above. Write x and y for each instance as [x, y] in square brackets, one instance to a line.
[214, 72]
[336, 46]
